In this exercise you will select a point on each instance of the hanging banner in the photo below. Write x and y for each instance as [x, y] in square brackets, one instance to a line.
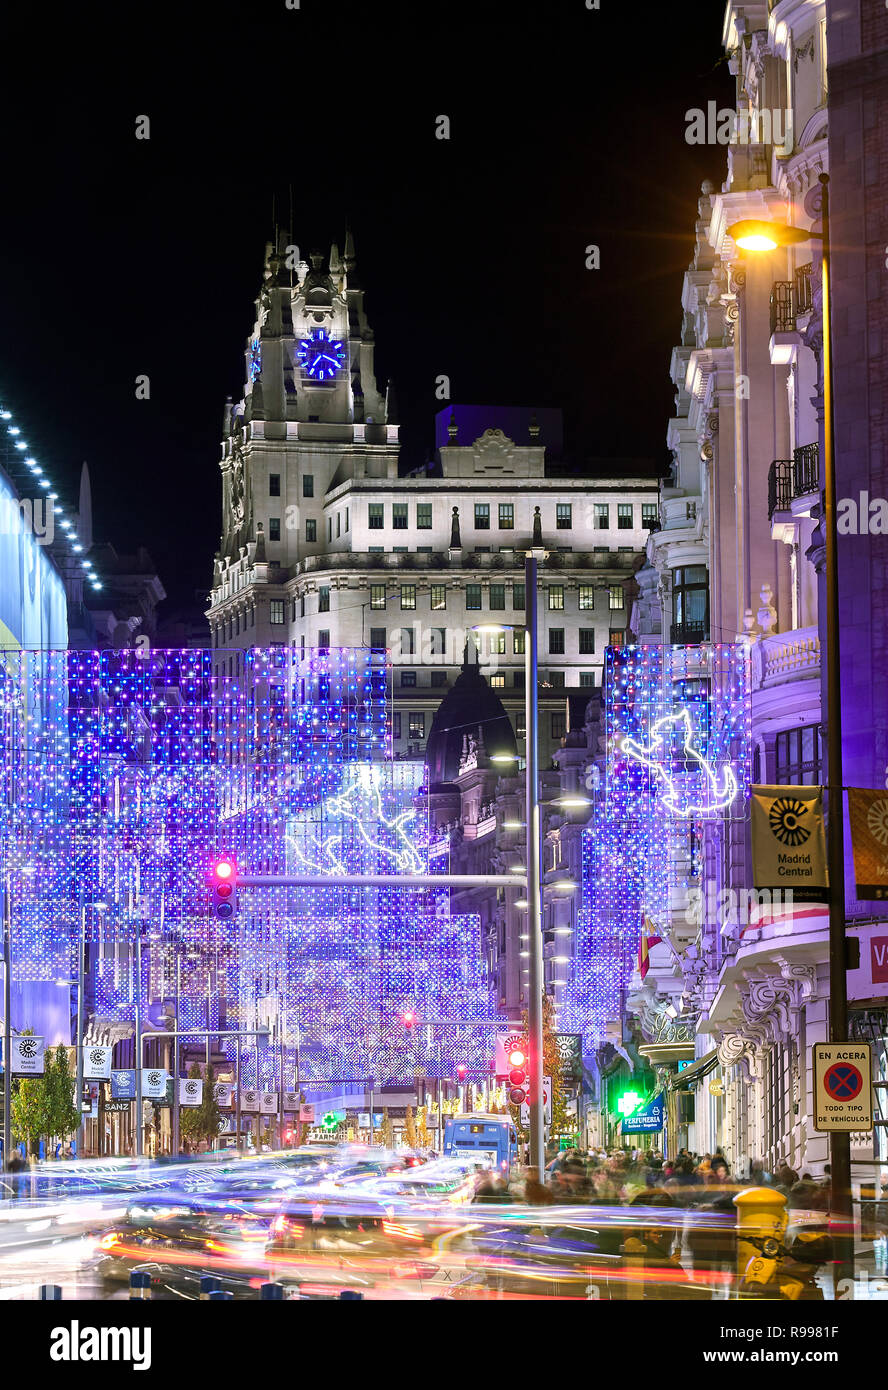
[250, 1101]
[291, 1102]
[190, 1090]
[570, 1057]
[223, 1092]
[154, 1080]
[789, 841]
[97, 1062]
[307, 1114]
[868, 813]
[268, 1102]
[26, 1056]
[123, 1085]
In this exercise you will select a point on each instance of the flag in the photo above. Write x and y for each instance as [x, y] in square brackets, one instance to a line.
[649, 939]
[868, 813]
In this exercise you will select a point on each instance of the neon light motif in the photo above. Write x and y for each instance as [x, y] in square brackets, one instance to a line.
[255, 359]
[721, 792]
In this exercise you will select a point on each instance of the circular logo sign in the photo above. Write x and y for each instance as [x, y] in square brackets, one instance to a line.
[154, 1078]
[97, 1056]
[191, 1088]
[842, 1081]
[785, 817]
[27, 1047]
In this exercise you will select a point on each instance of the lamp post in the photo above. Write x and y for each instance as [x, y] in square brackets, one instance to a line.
[767, 236]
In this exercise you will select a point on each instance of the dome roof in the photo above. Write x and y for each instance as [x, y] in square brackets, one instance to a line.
[468, 707]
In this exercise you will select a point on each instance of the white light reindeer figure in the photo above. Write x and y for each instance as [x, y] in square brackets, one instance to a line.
[722, 790]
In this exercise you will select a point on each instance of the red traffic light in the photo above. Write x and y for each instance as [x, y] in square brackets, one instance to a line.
[461, 1071]
[517, 1058]
[409, 1018]
[517, 1095]
[224, 869]
[516, 1076]
[223, 890]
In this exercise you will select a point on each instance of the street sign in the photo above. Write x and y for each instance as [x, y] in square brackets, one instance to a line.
[27, 1056]
[97, 1061]
[843, 1092]
[190, 1090]
[547, 1104]
[648, 1120]
[117, 1107]
[154, 1083]
[123, 1085]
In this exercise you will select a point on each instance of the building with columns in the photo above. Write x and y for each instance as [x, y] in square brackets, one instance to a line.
[326, 543]
[740, 558]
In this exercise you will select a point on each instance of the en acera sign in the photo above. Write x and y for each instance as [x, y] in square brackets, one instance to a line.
[843, 1092]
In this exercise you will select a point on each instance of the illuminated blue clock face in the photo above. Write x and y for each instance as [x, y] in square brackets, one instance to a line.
[321, 357]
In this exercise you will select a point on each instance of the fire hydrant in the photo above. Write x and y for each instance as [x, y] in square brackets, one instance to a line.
[762, 1219]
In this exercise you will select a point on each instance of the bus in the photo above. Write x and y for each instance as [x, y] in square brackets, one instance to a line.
[486, 1137]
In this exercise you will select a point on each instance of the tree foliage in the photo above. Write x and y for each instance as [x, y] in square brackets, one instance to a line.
[201, 1122]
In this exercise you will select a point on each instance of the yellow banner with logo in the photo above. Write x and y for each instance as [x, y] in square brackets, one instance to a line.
[789, 841]
[868, 811]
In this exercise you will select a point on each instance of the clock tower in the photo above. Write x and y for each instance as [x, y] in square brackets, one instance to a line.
[310, 418]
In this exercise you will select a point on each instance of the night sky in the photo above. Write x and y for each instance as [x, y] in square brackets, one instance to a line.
[122, 257]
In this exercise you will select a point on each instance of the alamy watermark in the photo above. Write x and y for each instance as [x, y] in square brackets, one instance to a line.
[724, 126]
[732, 907]
[32, 516]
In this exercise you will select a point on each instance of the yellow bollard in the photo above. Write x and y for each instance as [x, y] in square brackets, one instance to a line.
[762, 1219]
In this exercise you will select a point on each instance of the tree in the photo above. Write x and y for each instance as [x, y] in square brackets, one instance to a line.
[384, 1132]
[410, 1129]
[29, 1112]
[62, 1117]
[201, 1121]
[422, 1129]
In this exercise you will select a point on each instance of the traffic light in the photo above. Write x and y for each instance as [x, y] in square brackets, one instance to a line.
[462, 1072]
[518, 1078]
[224, 889]
[408, 1018]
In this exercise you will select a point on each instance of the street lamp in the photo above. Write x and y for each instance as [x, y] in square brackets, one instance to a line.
[767, 236]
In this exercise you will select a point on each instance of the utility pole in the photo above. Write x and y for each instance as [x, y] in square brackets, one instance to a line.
[534, 868]
[7, 1024]
[81, 985]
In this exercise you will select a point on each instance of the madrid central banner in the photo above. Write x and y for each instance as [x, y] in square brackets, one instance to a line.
[789, 841]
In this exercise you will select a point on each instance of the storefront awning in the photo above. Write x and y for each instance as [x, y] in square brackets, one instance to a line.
[696, 1072]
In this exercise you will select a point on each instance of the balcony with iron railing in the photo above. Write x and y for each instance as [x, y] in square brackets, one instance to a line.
[791, 479]
[688, 634]
[790, 299]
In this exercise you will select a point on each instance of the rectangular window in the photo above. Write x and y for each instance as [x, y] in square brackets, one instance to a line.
[338, 525]
[497, 598]
[437, 641]
[556, 598]
[518, 643]
[587, 678]
[378, 639]
[425, 550]
[625, 516]
[423, 516]
[438, 597]
[375, 549]
[308, 485]
[518, 680]
[408, 595]
[556, 641]
[346, 519]
[408, 679]
[497, 644]
[405, 641]
[518, 600]
[563, 515]
[376, 516]
[616, 637]
[277, 611]
[416, 724]
[311, 530]
[650, 514]
[602, 516]
[557, 726]
[615, 597]
[473, 597]
[482, 516]
[690, 604]
[556, 678]
[586, 598]
[520, 725]
[506, 516]
[798, 757]
[324, 599]
[399, 550]
[377, 596]
[396, 724]
[302, 605]
[274, 528]
[324, 639]
[498, 681]
[587, 641]
[399, 516]
[439, 678]
[274, 484]
[329, 528]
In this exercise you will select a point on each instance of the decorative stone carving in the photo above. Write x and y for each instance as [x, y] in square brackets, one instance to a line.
[734, 1050]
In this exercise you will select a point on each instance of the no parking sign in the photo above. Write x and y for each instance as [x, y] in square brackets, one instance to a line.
[843, 1092]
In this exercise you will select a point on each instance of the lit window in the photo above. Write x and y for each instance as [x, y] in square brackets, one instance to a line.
[506, 516]
[498, 681]
[377, 596]
[602, 516]
[518, 643]
[556, 597]
[416, 725]
[563, 514]
[408, 595]
[497, 644]
[438, 596]
[586, 598]
[615, 596]
[625, 515]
